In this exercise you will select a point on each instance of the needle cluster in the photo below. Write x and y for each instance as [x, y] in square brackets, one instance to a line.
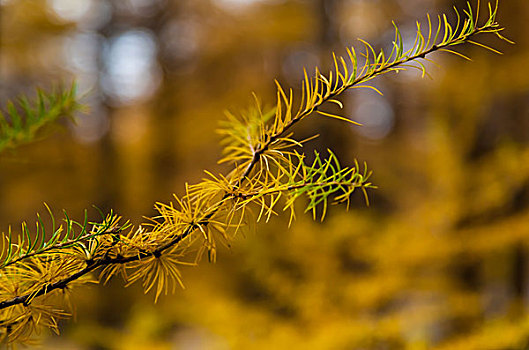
[24, 120]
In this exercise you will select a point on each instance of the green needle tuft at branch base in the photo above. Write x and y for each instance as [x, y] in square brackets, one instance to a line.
[25, 119]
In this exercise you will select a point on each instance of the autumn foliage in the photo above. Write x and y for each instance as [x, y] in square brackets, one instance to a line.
[409, 277]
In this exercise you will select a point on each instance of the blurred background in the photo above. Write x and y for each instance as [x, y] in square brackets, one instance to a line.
[440, 259]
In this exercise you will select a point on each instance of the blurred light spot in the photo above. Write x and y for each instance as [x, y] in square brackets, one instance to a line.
[129, 125]
[87, 14]
[238, 5]
[198, 338]
[91, 128]
[71, 10]
[180, 39]
[81, 51]
[374, 113]
[47, 48]
[80, 55]
[131, 72]
[236, 2]
[415, 8]
[142, 8]
[360, 20]
[295, 61]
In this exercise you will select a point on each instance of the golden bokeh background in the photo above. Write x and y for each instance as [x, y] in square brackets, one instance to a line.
[439, 260]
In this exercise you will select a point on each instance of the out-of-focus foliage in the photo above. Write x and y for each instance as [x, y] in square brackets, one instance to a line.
[437, 260]
[25, 119]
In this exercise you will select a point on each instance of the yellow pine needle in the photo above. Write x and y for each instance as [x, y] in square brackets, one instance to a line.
[335, 116]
